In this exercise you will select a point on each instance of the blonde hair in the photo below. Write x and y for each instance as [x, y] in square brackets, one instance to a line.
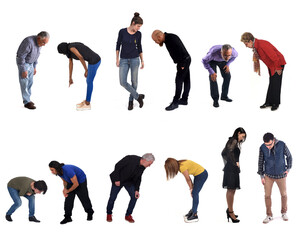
[246, 37]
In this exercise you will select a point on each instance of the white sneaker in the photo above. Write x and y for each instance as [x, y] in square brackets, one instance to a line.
[267, 219]
[79, 104]
[284, 216]
[83, 107]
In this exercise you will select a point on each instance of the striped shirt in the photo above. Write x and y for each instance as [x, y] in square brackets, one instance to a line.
[28, 52]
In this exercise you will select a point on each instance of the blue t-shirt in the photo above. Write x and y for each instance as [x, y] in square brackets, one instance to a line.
[69, 171]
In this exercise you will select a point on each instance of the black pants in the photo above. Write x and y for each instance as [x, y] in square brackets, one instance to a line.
[82, 193]
[182, 78]
[274, 89]
[226, 81]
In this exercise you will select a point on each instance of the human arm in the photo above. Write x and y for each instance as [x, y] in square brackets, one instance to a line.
[115, 175]
[141, 60]
[70, 71]
[117, 58]
[267, 50]
[261, 166]
[188, 180]
[75, 183]
[234, 55]
[81, 59]
[288, 159]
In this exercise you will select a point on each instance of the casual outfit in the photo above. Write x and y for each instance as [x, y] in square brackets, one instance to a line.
[27, 56]
[130, 45]
[200, 176]
[211, 61]
[181, 57]
[93, 60]
[128, 171]
[69, 171]
[21, 186]
[231, 154]
[274, 60]
[273, 163]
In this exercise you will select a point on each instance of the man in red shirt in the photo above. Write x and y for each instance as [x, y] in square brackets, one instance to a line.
[275, 62]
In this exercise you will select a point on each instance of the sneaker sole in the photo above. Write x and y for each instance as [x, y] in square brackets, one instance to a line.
[191, 221]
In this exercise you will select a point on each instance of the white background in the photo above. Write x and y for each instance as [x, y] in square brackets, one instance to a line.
[95, 140]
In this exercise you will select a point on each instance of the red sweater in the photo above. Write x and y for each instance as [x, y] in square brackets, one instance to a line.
[269, 55]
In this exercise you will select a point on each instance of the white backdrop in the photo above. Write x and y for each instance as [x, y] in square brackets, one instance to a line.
[95, 140]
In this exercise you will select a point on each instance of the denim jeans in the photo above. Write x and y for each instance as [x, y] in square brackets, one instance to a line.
[199, 181]
[92, 69]
[26, 83]
[17, 202]
[124, 66]
[113, 195]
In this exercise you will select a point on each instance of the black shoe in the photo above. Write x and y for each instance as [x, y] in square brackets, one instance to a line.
[215, 104]
[274, 107]
[172, 106]
[192, 218]
[8, 218]
[33, 219]
[66, 220]
[30, 105]
[227, 99]
[182, 102]
[140, 100]
[265, 105]
[188, 214]
[228, 216]
[90, 217]
[130, 106]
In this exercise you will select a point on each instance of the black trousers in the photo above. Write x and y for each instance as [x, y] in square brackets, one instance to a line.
[182, 79]
[273, 96]
[82, 193]
[226, 80]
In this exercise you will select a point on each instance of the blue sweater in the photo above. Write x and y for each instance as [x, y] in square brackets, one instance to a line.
[130, 44]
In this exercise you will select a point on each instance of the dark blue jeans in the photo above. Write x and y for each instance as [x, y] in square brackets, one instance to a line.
[213, 84]
[113, 195]
[199, 181]
[17, 202]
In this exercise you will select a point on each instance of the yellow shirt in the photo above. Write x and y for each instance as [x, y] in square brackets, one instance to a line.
[192, 167]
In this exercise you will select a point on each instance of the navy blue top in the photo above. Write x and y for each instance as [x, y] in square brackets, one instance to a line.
[131, 44]
[69, 171]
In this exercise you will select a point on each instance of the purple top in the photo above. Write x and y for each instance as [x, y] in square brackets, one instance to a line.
[214, 54]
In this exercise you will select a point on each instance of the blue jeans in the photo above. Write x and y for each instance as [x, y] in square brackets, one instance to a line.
[17, 202]
[26, 83]
[92, 69]
[124, 66]
[113, 195]
[199, 181]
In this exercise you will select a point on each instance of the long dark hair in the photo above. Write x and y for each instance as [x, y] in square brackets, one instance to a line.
[137, 19]
[58, 167]
[236, 132]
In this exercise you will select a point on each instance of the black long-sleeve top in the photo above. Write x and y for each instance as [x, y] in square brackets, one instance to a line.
[128, 171]
[176, 48]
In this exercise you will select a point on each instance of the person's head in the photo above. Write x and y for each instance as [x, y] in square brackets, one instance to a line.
[158, 37]
[147, 159]
[40, 186]
[43, 38]
[136, 22]
[239, 135]
[269, 140]
[247, 38]
[56, 168]
[62, 48]
[171, 167]
[226, 52]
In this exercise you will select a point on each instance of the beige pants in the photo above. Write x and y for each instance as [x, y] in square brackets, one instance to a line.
[268, 188]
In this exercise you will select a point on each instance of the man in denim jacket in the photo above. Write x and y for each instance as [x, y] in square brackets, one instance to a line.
[275, 161]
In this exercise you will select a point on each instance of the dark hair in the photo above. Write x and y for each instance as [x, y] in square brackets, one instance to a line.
[57, 166]
[137, 19]
[41, 186]
[267, 137]
[63, 48]
[237, 131]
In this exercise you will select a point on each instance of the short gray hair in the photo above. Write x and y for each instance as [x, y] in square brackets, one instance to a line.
[148, 157]
[43, 35]
[226, 47]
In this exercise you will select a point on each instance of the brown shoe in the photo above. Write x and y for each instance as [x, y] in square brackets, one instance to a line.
[140, 100]
[30, 105]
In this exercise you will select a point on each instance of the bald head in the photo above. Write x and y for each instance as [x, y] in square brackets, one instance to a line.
[158, 37]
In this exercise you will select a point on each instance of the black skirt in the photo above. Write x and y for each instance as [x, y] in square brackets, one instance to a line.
[231, 178]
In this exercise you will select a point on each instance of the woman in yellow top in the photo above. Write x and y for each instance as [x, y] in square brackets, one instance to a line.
[187, 168]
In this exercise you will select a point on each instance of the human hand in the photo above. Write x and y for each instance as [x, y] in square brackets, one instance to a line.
[226, 69]
[86, 73]
[35, 71]
[191, 192]
[182, 68]
[213, 77]
[286, 172]
[142, 65]
[278, 72]
[263, 181]
[137, 194]
[70, 82]
[65, 192]
[117, 183]
[24, 74]
[117, 62]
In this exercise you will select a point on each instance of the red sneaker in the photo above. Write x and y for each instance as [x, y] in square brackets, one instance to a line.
[129, 219]
[109, 217]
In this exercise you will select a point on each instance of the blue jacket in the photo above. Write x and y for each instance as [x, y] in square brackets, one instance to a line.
[272, 162]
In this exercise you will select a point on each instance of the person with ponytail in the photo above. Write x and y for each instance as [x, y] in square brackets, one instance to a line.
[187, 168]
[129, 46]
[81, 52]
[75, 183]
